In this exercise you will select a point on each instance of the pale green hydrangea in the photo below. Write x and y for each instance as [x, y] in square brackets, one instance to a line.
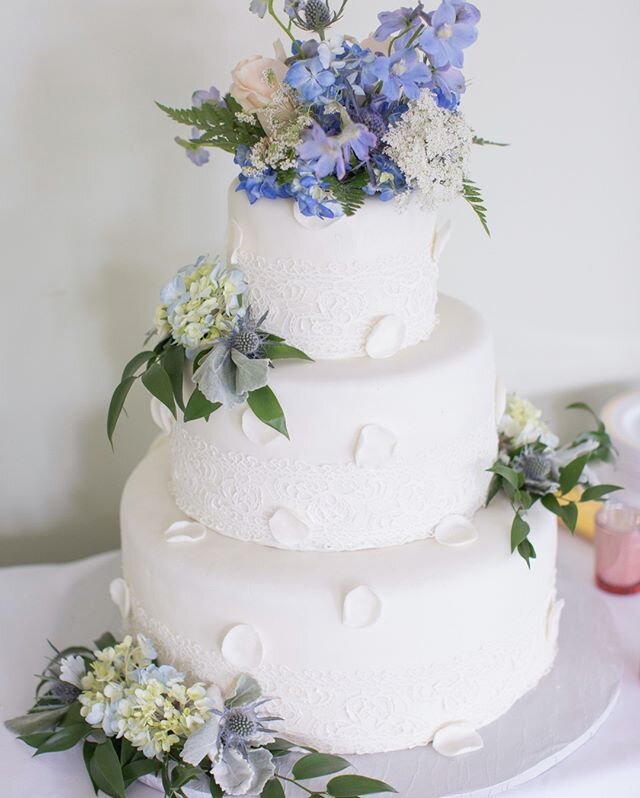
[522, 424]
[201, 303]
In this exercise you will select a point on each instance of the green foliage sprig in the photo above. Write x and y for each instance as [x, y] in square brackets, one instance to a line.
[55, 723]
[473, 195]
[558, 494]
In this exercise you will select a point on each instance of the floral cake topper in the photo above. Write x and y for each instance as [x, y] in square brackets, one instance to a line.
[336, 119]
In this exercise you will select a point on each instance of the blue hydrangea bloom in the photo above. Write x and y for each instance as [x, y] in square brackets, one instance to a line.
[310, 78]
[312, 196]
[446, 37]
[387, 179]
[401, 73]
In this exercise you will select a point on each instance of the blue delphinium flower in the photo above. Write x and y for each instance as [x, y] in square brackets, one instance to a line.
[332, 154]
[258, 7]
[212, 96]
[448, 85]
[310, 78]
[200, 155]
[312, 195]
[446, 37]
[403, 19]
[466, 12]
[401, 73]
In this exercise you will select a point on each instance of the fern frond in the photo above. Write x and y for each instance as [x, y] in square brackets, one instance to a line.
[349, 192]
[471, 192]
[488, 143]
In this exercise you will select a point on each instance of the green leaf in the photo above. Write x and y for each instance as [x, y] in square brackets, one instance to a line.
[140, 767]
[312, 766]
[199, 406]
[273, 789]
[157, 382]
[36, 721]
[598, 492]
[494, 488]
[216, 791]
[473, 196]
[571, 473]
[527, 552]
[136, 362]
[588, 409]
[519, 531]
[106, 771]
[567, 513]
[88, 750]
[36, 739]
[348, 786]
[488, 143]
[349, 192]
[247, 690]
[510, 475]
[183, 774]
[173, 362]
[106, 640]
[280, 351]
[524, 499]
[64, 738]
[116, 406]
[73, 716]
[266, 407]
[127, 752]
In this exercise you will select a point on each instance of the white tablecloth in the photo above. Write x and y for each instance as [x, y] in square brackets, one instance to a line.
[65, 604]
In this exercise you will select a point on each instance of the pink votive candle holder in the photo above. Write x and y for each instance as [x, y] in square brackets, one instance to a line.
[618, 548]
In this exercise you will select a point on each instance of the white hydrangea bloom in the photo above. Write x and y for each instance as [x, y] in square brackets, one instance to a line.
[522, 424]
[431, 145]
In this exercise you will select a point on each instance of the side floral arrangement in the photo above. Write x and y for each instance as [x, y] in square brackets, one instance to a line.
[337, 119]
[533, 467]
[135, 717]
[207, 331]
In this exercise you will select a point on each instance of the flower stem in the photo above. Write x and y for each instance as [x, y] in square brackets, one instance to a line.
[297, 784]
[279, 22]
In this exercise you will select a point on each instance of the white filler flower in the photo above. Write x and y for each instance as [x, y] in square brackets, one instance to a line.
[431, 146]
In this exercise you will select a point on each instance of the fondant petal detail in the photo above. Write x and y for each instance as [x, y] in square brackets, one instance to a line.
[185, 532]
[242, 647]
[287, 528]
[456, 739]
[256, 431]
[456, 531]
[375, 447]
[386, 338]
[441, 238]
[501, 400]
[162, 416]
[119, 592]
[312, 222]
[234, 242]
[553, 620]
[361, 608]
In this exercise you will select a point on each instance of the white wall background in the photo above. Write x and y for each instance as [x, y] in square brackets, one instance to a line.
[98, 207]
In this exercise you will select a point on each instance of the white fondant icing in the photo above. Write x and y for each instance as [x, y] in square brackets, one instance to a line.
[501, 399]
[553, 619]
[256, 431]
[242, 647]
[325, 284]
[236, 238]
[375, 446]
[446, 646]
[288, 529]
[386, 338]
[361, 608]
[456, 739]
[185, 532]
[312, 222]
[119, 592]
[162, 416]
[456, 531]
[440, 240]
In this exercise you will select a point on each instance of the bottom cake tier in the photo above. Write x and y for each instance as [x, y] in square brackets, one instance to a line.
[366, 651]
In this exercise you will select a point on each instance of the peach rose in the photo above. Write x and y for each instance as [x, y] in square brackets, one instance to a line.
[250, 86]
[375, 46]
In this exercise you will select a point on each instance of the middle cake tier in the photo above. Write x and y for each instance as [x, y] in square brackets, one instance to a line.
[380, 452]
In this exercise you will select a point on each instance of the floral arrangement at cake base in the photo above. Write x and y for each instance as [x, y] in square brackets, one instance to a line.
[135, 717]
[337, 119]
[533, 467]
[207, 331]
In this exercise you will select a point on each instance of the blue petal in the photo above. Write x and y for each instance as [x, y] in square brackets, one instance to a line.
[444, 15]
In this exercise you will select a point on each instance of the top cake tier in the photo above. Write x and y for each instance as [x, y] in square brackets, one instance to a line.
[356, 286]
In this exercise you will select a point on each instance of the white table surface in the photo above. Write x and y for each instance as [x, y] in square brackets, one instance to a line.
[40, 603]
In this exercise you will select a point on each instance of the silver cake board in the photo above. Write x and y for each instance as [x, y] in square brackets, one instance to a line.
[544, 727]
